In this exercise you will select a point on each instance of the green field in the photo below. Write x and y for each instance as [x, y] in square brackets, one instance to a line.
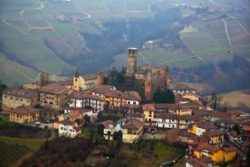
[33, 39]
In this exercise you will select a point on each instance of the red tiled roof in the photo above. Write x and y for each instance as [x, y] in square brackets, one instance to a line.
[107, 123]
[205, 125]
[148, 107]
[229, 149]
[24, 110]
[84, 95]
[213, 132]
[54, 89]
[166, 116]
[132, 95]
[182, 87]
[204, 146]
[20, 92]
[133, 124]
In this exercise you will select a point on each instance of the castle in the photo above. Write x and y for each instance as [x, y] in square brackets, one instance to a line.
[147, 77]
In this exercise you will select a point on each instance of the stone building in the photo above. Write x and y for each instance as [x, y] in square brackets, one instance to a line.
[15, 97]
[87, 81]
[54, 96]
[147, 78]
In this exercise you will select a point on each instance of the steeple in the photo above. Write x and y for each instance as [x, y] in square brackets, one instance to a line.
[76, 74]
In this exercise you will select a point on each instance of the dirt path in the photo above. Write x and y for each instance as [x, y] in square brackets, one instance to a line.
[241, 26]
[226, 31]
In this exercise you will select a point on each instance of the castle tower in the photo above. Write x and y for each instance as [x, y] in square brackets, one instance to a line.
[148, 85]
[100, 79]
[132, 61]
[44, 78]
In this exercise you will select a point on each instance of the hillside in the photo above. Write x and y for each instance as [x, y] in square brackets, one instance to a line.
[58, 36]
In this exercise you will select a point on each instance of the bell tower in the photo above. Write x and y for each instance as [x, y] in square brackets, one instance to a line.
[131, 62]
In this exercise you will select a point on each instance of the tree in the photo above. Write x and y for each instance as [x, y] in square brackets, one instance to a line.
[87, 119]
[164, 96]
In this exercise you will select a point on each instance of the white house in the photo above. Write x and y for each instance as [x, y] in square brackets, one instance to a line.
[84, 100]
[68, 129]
[166, 120]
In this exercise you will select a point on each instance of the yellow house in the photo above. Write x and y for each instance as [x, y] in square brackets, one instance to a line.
[132, 131]
[149, 112]
[229, 153]
[24, 114]
[213, 136]
[201, 127]
[209, 151]
[192, 97]
[87, 81]
[109, 130]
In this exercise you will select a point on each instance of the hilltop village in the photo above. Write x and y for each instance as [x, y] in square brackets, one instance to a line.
[132, 115]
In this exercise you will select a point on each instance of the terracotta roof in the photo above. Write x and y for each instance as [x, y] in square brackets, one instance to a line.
[102, 89]
[114, 94]
[54, 89]
[213, 132]
[75, 113]
[192, 136]
[189, 117]
[229, 149]
[205, 125]
[204, 146]
[132, 95]
[84, 95]
[135, 115]
[25, 110]
[107, 123]
[148, 107]
[67, 122]
[133, 124]
[131, 106]
[20, 92]
[166, 116]
[170, 106]
[182, 87]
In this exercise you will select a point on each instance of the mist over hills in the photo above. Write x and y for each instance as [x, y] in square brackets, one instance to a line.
[59, 36]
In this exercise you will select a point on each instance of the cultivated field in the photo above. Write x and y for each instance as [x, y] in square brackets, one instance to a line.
[236, 98]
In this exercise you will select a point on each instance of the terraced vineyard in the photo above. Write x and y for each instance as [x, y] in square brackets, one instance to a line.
[10, 153]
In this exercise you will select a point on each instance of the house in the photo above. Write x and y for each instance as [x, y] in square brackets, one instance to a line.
[184, 121]
[186, 137]
[15, 97]
[85, 100]
[166, 120]
[192, 96]
[229, 153]
[176, 109]
[183, 89]
[68, 129]
[109, 129]
[87, 82]
[24, 114]
[216, 154]
[132, 131]
[209, 151]
[54, 96]
[213, 136]
[131, 101]
[227, 123]
[200, 127]
[149, 112]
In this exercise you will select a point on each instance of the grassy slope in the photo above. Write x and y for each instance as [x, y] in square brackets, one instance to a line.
[10, 71]
[235, 98]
